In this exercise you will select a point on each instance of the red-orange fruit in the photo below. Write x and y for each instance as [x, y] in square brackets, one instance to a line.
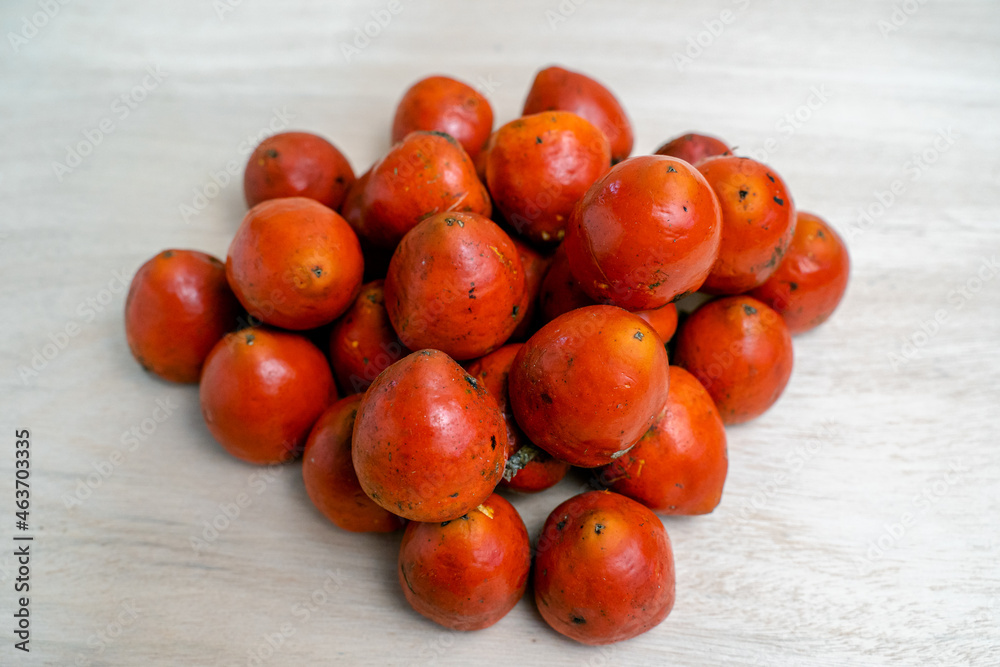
[363, 342]
[295, 263]
[430, 443]
[297, 164]
[693, 148]
[604, 569]
[467, 573]
[589, 383]
[741, 351]
[330, 480]
[178, 307]
[446, 105]
[810, 281]
[261, 392]
[679, 466]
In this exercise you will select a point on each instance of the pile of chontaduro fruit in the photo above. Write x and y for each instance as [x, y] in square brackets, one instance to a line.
[496, 307]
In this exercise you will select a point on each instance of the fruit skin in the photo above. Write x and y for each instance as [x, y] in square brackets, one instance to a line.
[430, 443]
[529, 469]
[741, 351]
[297, 164]
[679, 466]
[604, 569]
[178, 307]
[561, 293]
[455, 284]
[539, 166]
[363, 342]
[535, 264]
[645, 234]
[758, 221]
[466, 574]
[424, 174]
[329, 477]
[446, 105]
[810, 281]
[555, 88]
[693, 148]
[589, 383]
[294, 263]
[261, 392]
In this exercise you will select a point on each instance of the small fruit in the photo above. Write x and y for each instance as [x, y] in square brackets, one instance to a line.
[467, 573]
[179, 305]
[329, 477]
[295, 263]
[810, 281]
[430, 443]
[693, 148]
[740, 350]
[604, 569]
[443, 104]
[261, 392]
[589, 383]
[297, 164]
[679, 466]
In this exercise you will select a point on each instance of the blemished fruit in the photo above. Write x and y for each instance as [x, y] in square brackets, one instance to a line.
[604, 569]
[297, 164]
[446, 105]
[430, 443]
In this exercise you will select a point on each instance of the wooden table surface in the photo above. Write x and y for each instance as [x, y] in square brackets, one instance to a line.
[859, 523]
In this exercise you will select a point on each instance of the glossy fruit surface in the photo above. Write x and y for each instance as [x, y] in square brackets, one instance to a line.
[645, 234]
[297, 164]
[810, 281]
[539, 166]
[589, 383]
[693, 148]
[363, 342]
[430, 443]
[178, 307]
[758, 221]
[604, 569]
[741, 351]
[679, 466]
[424, 174]
[330, 480]
[466, 574]
[295, 263]
[556, 88]
[446, 105]
[455, 284]
[261, 392]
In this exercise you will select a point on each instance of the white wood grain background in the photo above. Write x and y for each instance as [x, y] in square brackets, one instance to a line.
[805, 562]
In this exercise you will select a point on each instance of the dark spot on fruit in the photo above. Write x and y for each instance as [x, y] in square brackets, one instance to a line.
[340, 180]
[454, 495]
[538, 140]
[249, 339]
[743, 194]
[671, 170]
[167, 254]
[794, 286]
[427, 353]
[579, 620]
[749, 310]
[516, 308]
[679, 485]
[445, 523]
[598, 527]
[638, 335]
[770, 177]
[561, 525]
[685, 209]
[780, 201]
[271, 153]
[493, 443]
[471, 380]
[317, 271]
[546, 399]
